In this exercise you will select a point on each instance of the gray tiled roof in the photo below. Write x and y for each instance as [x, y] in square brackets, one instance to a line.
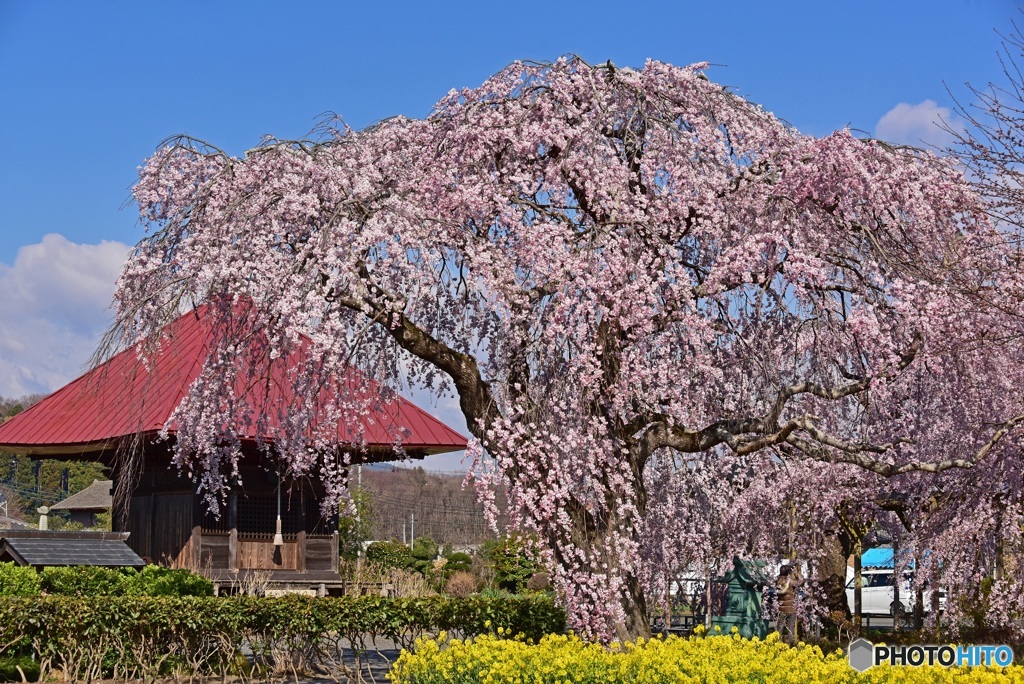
[95, 497]
[51, 551]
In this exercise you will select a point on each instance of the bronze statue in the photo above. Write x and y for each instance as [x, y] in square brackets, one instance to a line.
[745, 581]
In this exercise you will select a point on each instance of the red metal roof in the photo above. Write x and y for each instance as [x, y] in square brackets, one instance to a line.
[121, 399]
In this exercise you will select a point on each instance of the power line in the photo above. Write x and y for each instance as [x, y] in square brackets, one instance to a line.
[32, 492]
[450, 508]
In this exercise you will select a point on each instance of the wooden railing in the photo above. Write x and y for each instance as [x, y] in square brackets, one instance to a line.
[231, 550]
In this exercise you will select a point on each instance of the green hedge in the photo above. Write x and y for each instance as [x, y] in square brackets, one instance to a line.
[90, 580]
[84, 580]
[129, 637]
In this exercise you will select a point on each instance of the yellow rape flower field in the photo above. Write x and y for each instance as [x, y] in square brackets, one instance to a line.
[561, 659]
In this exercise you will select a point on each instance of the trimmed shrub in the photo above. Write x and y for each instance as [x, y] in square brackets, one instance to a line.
[18, 581]
[389, 554]
[511, 559]
[91, 580]
[87, 580]
[459, 561]
[156, 580]
[424, 549]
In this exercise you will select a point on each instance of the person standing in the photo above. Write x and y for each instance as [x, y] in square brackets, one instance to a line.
[786, 586]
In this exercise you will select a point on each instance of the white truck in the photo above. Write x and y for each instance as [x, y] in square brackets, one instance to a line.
[878, 593]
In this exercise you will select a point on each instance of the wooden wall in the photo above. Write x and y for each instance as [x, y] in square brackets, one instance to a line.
[160, 526]
[169, 524]
[322, 554]
[263, 555]
[214, 550]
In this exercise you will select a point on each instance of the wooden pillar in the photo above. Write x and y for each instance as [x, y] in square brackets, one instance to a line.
[153, 525]
[233, 530]
[196, 544]
[300, 539]
[334, 550]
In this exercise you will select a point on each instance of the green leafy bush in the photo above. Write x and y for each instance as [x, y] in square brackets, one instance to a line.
[424, 552]
[511, 559]
[424, 549]
[156, 580]
[389, 554]
[18, 581]
[87, 580]
[459, 562]
[9, 669]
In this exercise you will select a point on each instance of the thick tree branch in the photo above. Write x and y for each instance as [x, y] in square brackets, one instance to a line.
[475, 396]
[857, 454]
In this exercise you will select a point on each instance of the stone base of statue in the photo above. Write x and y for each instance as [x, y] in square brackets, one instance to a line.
[749, 627]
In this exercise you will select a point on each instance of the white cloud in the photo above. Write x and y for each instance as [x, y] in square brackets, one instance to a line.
[920, 125]
[54, 306]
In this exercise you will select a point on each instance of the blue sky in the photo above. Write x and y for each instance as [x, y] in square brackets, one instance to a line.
[88, 91]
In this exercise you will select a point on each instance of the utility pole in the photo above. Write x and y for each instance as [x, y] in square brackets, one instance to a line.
[412, 529]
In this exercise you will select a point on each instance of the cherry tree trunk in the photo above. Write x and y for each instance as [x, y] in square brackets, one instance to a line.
[634, 607]
[832, 577]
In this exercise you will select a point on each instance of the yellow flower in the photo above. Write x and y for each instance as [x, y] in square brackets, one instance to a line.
[569, 659]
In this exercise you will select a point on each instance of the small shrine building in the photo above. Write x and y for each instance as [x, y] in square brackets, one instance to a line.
[115, 413]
